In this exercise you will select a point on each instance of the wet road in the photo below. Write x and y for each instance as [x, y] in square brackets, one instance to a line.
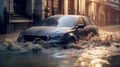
[100, 56]
[31, 60]
[103, 51]
[46, 58]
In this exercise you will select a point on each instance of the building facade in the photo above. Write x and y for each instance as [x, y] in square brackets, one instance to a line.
[15, 14]
[21, 14]
[104, 12]
[18, 14]
[2, 17]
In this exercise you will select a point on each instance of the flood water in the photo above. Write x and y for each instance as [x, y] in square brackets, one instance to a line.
[92, 53]
[31, 60]
[46, 58]
[101, 56]
[24, 60]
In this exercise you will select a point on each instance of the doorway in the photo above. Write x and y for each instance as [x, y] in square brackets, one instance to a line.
[20, 7]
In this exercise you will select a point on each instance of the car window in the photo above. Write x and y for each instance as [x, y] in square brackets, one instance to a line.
[90, 21]
[60, 21]
[66, 21]
[80, 20]
[51, 21]
[86, 21]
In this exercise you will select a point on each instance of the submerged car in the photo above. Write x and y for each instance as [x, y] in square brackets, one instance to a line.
[60, 29]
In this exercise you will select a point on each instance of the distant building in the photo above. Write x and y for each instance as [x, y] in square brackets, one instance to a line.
[21, 14]
[15, 14]
[18, 14]
[1, 17]
[104, 12]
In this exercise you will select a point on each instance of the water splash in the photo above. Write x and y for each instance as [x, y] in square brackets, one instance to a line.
[89, 52]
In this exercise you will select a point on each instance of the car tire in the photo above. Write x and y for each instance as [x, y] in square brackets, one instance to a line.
[70, 43]
[72, 40]
[95, 33]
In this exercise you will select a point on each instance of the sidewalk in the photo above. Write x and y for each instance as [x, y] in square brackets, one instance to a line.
[10, 37]
[114, 28]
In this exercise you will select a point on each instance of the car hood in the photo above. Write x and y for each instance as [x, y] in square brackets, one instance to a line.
[44, 30]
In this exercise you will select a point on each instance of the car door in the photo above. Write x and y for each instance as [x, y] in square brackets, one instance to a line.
[80, 31]
[90, 27]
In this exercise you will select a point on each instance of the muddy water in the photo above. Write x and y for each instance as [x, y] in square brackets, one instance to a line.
[13, 54]
[102, 51]
[99, 56]
[44, 58]
[24, 60]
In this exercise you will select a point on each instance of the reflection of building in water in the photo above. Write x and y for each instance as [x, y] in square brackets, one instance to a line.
[20, 14]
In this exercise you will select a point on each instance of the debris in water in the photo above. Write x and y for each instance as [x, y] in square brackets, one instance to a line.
[34, 47]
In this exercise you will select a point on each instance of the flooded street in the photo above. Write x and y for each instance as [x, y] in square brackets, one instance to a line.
[59, 33]
[98, 51]
[32, 60]
[54, 57]
[45, 58]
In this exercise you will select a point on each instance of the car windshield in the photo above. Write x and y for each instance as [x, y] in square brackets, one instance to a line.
[61, 21]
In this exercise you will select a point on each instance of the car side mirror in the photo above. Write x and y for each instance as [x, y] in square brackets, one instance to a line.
[80, 26]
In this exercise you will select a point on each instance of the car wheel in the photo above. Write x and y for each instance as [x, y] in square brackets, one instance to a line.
[95, 34]
[70, 43]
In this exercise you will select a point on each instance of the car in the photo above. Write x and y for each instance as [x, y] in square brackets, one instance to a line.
[60, 29]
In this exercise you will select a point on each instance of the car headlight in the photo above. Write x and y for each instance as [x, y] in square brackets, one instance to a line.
[55, 36]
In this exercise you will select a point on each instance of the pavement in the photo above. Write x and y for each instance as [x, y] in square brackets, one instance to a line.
[10, 37]
[13, 36]
[114, 28]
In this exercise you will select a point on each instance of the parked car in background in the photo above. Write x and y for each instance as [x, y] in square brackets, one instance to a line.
[60, 29]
